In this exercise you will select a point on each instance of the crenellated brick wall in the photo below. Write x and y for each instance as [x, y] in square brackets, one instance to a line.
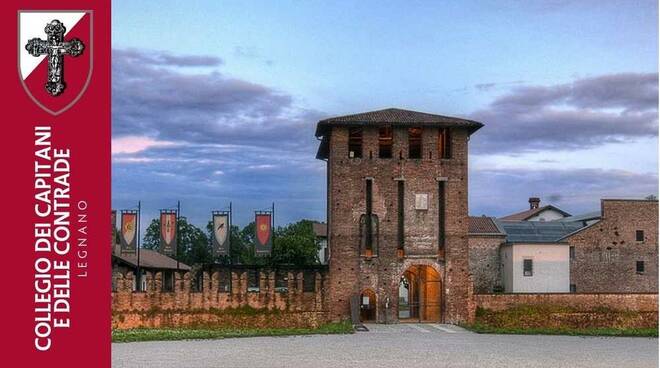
[239, 307]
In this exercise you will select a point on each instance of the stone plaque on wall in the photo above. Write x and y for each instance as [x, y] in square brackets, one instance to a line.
[421, 201]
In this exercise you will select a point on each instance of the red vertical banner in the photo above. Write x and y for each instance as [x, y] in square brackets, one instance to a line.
[56, 160]
[264, 233]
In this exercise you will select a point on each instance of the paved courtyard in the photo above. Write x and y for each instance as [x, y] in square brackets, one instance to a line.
[402, 345]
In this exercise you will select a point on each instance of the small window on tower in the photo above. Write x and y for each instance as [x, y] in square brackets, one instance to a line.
[639, 235]
[444, 143]
[355, 142]
[385, 142]
[640, 267]
[415, 143]
[528, 267]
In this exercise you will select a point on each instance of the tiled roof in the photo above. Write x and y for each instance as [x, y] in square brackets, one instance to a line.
[151, 259]
[524, 215]
[537, 231]
[391, 116]
[483, 225]
[397, 116]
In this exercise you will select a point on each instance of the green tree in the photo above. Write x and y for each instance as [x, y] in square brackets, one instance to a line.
[295, 244]
[193, 246]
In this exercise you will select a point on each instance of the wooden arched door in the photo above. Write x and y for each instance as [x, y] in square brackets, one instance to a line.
[420, 295]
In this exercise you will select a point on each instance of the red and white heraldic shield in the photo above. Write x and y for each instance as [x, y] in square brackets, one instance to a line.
[55, 56]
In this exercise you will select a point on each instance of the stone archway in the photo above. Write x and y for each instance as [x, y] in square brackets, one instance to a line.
[420, 295]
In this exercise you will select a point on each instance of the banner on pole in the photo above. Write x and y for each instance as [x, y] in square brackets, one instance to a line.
[221, 233]
[264, 233]
[168, 228]
[128, 231]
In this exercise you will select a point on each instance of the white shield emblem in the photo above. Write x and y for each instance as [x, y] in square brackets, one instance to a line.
[168, 227]
[128, 227]
[48, 44]
[220, 228]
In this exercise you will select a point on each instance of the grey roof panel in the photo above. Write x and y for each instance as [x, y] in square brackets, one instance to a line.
[536, 231]
[582, 217]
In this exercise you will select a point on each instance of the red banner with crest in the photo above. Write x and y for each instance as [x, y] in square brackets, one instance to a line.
[264, 233]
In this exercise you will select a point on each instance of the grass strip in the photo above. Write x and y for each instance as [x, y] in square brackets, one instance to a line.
[632, 332]
[169, 334]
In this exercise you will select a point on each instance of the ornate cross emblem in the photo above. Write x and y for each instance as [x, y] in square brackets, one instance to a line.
[55, 47]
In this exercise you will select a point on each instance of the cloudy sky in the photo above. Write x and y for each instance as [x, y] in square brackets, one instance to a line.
[217, 101]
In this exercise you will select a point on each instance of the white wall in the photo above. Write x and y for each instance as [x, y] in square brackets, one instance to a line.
[551, 270]
[547, 215]
[323, 244]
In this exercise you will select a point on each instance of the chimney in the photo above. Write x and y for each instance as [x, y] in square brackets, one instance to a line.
[534, 202]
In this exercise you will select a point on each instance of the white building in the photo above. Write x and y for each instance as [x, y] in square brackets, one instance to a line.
[535, 268]
[534, 259]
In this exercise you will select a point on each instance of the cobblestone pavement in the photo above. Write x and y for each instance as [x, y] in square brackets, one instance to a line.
[400, 346]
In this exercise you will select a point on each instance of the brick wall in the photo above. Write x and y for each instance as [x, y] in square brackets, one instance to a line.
[268, 307]
[567, 311]
[485, 265]
[584, 302]
[350, 273]
[596, 268]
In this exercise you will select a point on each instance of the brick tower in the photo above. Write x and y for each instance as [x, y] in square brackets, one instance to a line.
[397, 215]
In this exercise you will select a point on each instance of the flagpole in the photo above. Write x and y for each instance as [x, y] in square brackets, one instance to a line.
[176, 250]
[139, 274]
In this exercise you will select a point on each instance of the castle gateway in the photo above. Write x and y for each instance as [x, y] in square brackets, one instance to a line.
[397, 215]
